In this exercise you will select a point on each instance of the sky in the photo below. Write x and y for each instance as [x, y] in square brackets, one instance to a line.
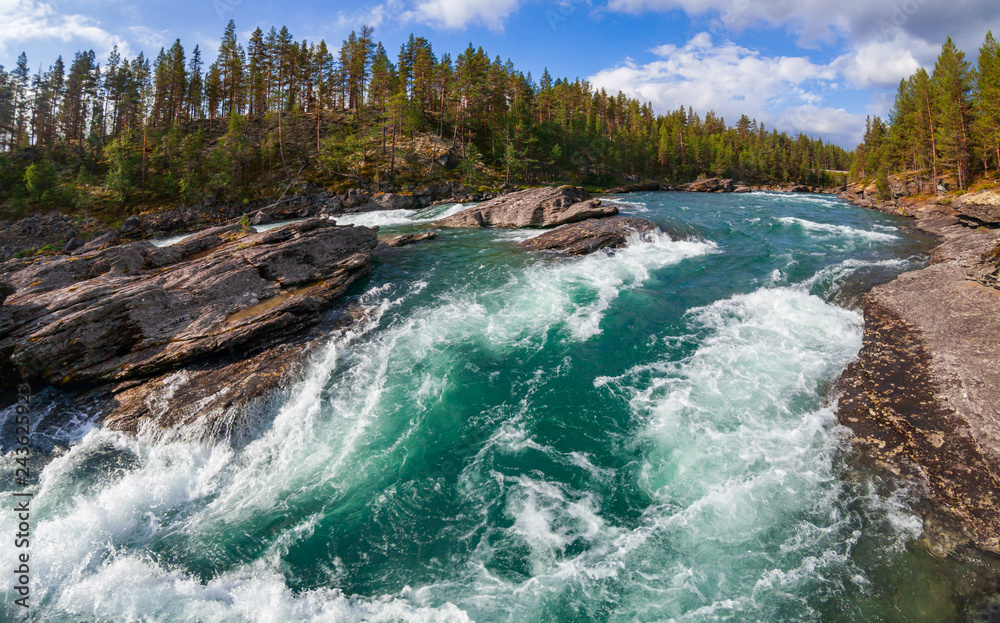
[813, 66]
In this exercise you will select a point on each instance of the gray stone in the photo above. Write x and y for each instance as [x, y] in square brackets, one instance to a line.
[536, 207]
[982, 207]
[590, 236]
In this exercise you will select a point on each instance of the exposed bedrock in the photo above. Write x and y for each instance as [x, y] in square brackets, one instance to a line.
[923, 396]
[535, 207]
[126, 314]
[590, 236]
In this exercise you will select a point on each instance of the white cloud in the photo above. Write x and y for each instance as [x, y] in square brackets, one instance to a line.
[883, 63]
[785, 92]
[859, 21]
[149, 38]
[834, 124]
[372, 16]
[461, 13]
[27, 20]
[727, 78]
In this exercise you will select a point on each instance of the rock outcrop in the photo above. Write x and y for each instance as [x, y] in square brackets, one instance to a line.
[405, 240]
[982, 207]
[536, 207]
[590, 236]
[923, 397]
[711, 185]
[134, 311]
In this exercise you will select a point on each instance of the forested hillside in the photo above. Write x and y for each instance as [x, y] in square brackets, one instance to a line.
[137, 133]
[945, 124]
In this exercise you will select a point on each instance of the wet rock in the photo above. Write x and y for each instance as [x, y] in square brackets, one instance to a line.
[404, 240]
[923, 398]
[132, 311]
[536, 207]
[711, 185]
[390, 201]
[590, 236]
[261, 218]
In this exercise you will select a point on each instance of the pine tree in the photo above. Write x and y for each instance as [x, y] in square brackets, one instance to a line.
[987, 101]
[951, 87]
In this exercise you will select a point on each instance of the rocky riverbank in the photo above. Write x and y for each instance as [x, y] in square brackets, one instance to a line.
[200, 338]
[141, 327]
[54, 233]
[923, 397]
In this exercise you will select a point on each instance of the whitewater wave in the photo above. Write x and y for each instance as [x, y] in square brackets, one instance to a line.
[395, 218]
[838, 230]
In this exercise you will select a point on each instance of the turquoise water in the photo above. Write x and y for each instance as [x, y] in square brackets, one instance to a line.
[645, 435]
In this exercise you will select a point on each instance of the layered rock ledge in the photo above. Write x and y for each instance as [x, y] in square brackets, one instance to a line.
[923, 397]
[122, 317]
[590, 236]
[535, 207]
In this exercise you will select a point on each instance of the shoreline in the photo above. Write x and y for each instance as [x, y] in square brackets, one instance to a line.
[923, 397]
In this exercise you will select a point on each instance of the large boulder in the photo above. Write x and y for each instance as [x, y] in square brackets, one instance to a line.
[710, 185]
[391, 201]
[536, 207]
[590, 236]
[982, 207]
[131, 311]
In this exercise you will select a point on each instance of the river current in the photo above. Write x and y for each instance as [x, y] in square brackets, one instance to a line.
[640, 435]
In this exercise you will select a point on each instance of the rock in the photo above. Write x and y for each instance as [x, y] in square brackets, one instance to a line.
[800, 189]
[982, 207]
[590, 236]
[536, 207]
[923, 397]
[640, 187]
[390, 201]
[261, 218]
[131, 224]
[101, 242]
[355, 199]
[5, 290]
[73, 244]
[134, 311]
[711, 185]
[404, 240]
[742, 189]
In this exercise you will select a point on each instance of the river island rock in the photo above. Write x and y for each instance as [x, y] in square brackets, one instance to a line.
[535, 207]
[590, 236]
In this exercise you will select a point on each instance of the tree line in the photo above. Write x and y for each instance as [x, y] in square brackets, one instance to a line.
[158, 129]
[943, 122]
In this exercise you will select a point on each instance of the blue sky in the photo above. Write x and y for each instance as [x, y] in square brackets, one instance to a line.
[799, 65]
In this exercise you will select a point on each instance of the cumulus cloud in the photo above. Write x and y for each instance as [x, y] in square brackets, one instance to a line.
[27, 20]
[727, 78]
[786, 92]
[462, 13]
[373, 16]
[836, 125]
[859, 21]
